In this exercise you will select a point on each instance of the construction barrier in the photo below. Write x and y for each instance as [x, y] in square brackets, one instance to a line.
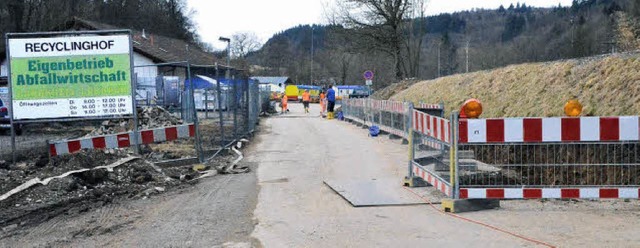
[391, 116]
[529, 158]
[122, 140]
[511, 158]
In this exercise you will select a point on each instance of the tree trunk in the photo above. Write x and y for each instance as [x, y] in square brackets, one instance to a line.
[398, 61]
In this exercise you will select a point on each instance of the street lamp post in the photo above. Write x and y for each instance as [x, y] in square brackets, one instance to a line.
[311, 66]
[228, 41]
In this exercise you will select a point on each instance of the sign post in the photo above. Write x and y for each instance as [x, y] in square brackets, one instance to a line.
[368, 77]
[67, 76]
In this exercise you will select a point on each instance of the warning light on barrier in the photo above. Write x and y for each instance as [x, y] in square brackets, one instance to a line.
[573, 108]
[471, 108]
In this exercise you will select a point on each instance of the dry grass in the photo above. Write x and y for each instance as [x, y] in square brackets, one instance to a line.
[606, 86]
[387, 92]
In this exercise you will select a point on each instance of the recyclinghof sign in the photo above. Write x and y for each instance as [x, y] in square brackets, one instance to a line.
[72, 76]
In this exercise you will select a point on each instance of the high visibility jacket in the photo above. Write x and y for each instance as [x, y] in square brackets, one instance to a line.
[331, 95]
[306, 97]
[284, 100]
[321, 96]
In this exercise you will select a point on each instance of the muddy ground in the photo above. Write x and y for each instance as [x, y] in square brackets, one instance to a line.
[87, 190]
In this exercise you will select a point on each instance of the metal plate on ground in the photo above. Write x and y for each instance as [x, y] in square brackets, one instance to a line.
[373, 193]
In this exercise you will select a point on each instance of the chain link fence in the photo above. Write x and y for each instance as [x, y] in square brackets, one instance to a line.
[184, 112]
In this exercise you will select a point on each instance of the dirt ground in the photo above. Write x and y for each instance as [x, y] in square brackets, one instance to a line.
[204, 213]
[295, 208]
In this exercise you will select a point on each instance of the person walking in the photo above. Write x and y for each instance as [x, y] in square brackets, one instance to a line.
[306, 98]
[323, 103]
[284, 102]
[331, 102]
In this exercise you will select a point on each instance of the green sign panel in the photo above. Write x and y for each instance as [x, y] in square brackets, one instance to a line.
[80, 76]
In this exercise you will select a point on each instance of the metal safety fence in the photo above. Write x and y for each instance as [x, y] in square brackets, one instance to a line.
[529, 158]
[511, 158]
[223, 104]
[184, 111]
[516, 158]
[390, 116]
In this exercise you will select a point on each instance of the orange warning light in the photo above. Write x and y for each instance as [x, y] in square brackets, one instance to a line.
[573, 108]
[471, 108]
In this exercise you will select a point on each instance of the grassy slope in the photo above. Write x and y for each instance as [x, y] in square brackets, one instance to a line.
[606, 86]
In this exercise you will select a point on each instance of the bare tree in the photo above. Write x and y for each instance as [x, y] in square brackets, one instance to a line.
[242, 43]
[378, 24]
[415, 31]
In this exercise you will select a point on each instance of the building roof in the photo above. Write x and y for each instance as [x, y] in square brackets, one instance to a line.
[159, 48]
[273, 80]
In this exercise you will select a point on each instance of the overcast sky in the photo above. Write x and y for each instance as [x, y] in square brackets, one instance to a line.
[267, 17]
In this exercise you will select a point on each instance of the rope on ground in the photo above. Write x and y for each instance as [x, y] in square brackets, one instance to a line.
[480, 223]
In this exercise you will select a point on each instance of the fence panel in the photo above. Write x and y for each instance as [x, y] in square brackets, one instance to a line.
[391, 116]
[522, 158]
[433, 159]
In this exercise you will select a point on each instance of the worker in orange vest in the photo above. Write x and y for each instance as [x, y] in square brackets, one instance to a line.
[284, 102]
[323, 103]
[306, 98]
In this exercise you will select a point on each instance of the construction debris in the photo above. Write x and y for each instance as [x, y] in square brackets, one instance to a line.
[148, 118]
[231, 168]
[29, 191]
[46, 181]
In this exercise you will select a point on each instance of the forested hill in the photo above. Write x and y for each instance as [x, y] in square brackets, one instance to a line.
[493, 38]
[164, 17]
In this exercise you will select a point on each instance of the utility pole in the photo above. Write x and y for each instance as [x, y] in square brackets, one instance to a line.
[439, 44]
[311, 65]
[467, 50]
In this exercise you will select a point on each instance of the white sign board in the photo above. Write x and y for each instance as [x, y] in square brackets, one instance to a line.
[73, 76]
[369, 82]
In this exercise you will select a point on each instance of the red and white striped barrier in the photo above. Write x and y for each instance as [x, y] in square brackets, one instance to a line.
[432, 126]
[432, 179]
[433, 144]
[122, 140]
[393, 131]
[428, 106]
[536, 130]
[549, 193]
[397, 107]
[393, 106]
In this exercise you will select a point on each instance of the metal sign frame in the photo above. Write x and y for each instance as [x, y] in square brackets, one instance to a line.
[13, 122]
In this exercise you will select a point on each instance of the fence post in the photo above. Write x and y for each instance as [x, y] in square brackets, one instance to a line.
[405, 106]
[195, 116]
[222, 142]
[393, 116]
[380, 123]
[246, 97]
[453, 161]
[236, 103]
[136, 130]
[409, 116]
[206, 104]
